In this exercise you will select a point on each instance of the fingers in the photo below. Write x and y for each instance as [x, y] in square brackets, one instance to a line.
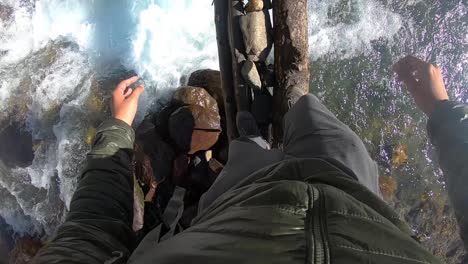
[128, 91]
[405, 69]
[124, 92]
[126, 83]
[137, 92]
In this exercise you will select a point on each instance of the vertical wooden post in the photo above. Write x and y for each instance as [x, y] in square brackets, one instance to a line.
[291, 57]
[236, 41]
[223, 23]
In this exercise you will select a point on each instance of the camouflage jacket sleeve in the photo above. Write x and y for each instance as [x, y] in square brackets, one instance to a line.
[98, 227]
[448, 130]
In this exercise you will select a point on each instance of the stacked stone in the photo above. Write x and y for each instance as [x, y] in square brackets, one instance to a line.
[257, 34]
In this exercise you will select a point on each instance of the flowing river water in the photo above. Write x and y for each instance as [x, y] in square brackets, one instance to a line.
[59, 60]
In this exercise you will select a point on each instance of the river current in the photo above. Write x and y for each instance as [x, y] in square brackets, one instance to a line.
[59, 60]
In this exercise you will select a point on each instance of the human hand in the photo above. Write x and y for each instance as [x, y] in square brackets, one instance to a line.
[125, 101]
[424, 81]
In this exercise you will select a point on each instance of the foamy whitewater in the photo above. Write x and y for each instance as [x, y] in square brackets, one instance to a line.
[161, 40]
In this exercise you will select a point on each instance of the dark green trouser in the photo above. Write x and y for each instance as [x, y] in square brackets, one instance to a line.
[310, 131]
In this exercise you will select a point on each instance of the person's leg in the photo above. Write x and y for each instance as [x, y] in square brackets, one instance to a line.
[312, 131]
[246, 156]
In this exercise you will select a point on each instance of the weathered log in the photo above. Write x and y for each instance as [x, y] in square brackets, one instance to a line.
[242, 91]
[223, 23]
[291, 57]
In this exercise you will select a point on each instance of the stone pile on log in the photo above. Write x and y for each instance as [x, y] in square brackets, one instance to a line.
[248, 75]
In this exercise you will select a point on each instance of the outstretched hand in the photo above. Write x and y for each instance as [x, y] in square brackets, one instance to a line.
[424, 81]
[125, 100]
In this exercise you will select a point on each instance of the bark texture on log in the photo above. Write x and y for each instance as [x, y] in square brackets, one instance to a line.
[291, 57]
[237, 48]
[223, 25]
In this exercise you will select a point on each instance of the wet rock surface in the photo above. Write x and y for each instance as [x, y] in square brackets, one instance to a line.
[24, 251]
[16, 145]
[205, 112]
[210, 80]
[6, 241]
[200, 97]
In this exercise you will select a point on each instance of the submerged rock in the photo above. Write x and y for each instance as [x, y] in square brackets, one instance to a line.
[257, 5]
[89, 136]
[16, 145]
[256, 30]
[388, 187]
[251, 75]
[24, 251]
[400, 155]
[6, 241]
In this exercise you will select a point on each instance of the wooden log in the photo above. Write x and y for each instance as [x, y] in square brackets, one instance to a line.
[223, 24]
[291, 57]
[237, 48]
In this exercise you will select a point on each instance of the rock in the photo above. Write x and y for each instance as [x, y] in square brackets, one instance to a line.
[16, 145]
[251, 75]
[5, 12]
[89, 136]
[24, 251]
[254, 6]
[205, 112]
[205, 120]
[256, 30]
[400, 156]
[257, 5]
[211, 81]
[388, 187]
[6, 241]
[191, 95]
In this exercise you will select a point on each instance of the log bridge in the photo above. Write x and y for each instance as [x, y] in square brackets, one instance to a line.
[253, 77]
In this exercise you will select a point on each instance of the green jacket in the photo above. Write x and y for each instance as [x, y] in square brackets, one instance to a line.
[295, 211]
